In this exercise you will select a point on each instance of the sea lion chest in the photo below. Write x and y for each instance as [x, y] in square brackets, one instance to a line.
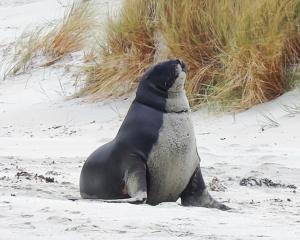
[173, 158]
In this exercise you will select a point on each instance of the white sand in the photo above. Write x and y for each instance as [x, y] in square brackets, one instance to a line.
[42, 133]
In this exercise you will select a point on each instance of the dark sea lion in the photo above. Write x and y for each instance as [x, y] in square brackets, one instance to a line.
[154, 157]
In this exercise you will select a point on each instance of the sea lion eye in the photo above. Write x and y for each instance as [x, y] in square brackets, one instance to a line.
[182, 64]
[179, 61]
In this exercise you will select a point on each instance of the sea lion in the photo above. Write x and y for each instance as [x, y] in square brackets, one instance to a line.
[153, 157]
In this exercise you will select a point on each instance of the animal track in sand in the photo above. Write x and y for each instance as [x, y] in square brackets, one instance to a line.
[59, 219]
[25, 225]
[27, 215]
[268, 157]
[175, 231]
[234, 145]
[45, 210]
[72, 212]
[83, 228]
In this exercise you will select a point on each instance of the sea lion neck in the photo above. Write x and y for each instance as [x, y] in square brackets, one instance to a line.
[177, 102]
[150, 95]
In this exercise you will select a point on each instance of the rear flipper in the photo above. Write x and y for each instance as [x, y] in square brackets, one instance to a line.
[196, 194]
[140, 199]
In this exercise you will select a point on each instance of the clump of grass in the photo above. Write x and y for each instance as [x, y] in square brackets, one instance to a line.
[57, 40]
[26, 48]
[73, 32]
[265, 42]
[197, 32]
[128, 49]
[238, 52]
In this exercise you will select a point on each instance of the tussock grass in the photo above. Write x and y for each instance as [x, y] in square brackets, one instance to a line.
[127, 50]
[239, 52]
[71, 35]
[26, 48]
[265, 43]
[54, 41]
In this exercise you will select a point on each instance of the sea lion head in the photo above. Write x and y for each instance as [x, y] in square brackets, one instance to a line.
[166, 76]
[162, 86]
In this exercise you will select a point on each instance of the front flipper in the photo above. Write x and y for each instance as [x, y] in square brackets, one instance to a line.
[196, 194]
[135, 182]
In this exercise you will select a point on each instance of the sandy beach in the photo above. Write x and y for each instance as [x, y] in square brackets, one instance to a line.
[250, 160]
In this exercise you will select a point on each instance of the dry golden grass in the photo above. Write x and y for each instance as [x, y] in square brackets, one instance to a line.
[127, 51]
[238, 52]
[71, 35]
[58, 40]
[26, 48]
[263, 45]
[197, 31]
